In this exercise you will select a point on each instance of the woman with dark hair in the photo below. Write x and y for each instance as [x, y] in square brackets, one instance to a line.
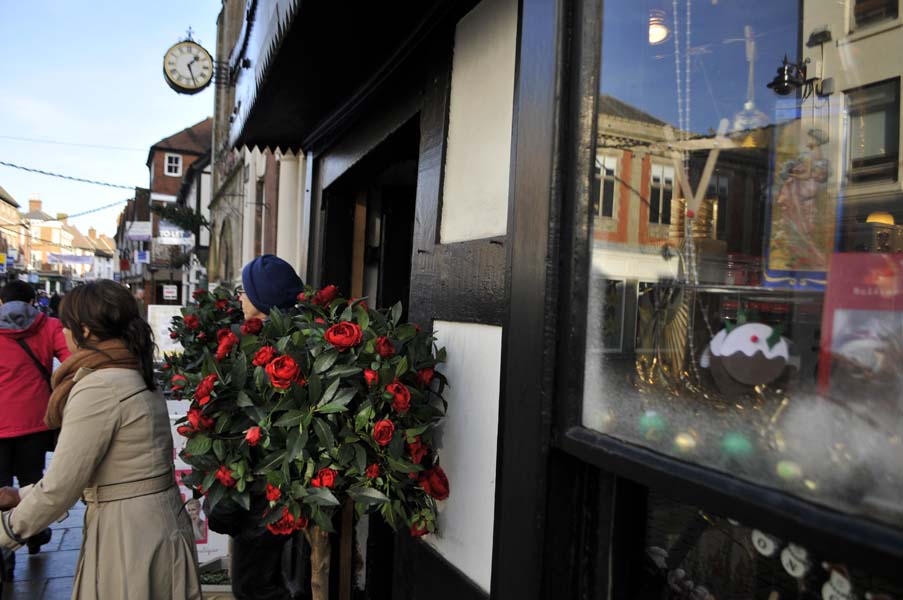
[115, 451]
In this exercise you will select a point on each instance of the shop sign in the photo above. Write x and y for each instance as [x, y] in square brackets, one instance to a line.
[141, 231]
[142, 257]
[170, 292]
[173, 235]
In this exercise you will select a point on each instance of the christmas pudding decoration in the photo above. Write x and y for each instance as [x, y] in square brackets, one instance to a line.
[744, 356]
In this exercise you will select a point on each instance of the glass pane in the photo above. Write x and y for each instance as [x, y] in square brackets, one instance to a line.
[746, 308]
[691, 554]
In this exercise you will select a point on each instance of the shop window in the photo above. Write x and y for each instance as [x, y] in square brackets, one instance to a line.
[603, 197]
[867, 12]
[174, 165]
[692, 554]
[661, 192]
[874, 127]
[765, 309]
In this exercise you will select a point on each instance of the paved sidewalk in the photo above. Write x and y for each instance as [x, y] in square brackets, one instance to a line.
[49, 574]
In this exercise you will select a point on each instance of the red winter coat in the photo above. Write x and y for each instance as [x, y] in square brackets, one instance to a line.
[23, 391]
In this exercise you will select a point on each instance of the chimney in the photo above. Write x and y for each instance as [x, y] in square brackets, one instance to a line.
[34, 204]
[92, 233]
[62, 218]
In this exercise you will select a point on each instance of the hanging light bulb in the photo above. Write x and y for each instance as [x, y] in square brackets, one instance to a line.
[658, 30]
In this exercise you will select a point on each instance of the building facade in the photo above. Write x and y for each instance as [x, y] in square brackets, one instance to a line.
[662, 258]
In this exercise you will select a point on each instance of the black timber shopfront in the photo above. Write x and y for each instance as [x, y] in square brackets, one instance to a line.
[637, 456]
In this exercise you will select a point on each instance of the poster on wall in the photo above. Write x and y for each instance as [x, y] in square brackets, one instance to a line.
[801, 211]
[159, 317]
[862, 333]
[210, 545]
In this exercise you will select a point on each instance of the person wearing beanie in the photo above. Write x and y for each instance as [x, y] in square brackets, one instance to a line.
[269, 282]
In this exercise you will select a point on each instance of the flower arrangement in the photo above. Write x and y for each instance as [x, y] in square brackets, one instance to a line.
[325, 404]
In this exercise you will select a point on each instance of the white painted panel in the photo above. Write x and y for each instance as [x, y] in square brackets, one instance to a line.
[477, 164]
[468, 448]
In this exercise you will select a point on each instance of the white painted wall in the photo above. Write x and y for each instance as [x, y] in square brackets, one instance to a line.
[292, 226]
[478, 155]
[468, 448]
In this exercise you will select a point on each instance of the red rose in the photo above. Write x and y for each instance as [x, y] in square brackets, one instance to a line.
[435, 483]
[199, 293]
[283, 371]
[344, 335]
[417, 450]
[225, 331]
[383, 432]
[173, 335]
[425, 376]
[252, 327]
[252, 435]
[419, 530]
[224, 475]
[205, 387]
[373, 471]
[192, 322]
[320, 320]
[226, 344]
[178, 382]
[302, 297]
[384, 347]
[222, 304]
[287, 524]
[166, 367]
[203, 401]
[263, 356]
[202, 336]
[273, 493]
[362, 304]
[371, 377]
[417, 328]
[199, 420]
[325, 478]
[185, 430]
[326, 295]
[401, 396]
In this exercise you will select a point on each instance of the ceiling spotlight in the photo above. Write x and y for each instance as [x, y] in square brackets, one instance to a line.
[658, 30]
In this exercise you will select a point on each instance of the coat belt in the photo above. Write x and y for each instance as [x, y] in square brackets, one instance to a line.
[129, 489]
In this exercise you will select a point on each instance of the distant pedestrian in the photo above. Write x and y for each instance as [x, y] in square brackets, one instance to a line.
[115, 451]
[55, 305]
[29, 341]
[142, 305]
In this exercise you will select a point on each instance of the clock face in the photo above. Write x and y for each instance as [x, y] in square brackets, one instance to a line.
[188, 68]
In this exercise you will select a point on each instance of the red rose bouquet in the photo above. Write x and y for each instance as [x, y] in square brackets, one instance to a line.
[326, 404]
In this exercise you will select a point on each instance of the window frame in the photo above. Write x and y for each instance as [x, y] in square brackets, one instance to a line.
[854, 26]
[178, 163]
[850, 538]
[893, 159]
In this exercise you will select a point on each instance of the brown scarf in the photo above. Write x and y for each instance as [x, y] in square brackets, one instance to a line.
[108, 354]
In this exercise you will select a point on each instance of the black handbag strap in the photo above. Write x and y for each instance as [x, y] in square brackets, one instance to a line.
[44, 372]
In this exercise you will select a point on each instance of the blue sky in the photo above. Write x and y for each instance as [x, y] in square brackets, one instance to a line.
[645, 75]
[91, 73]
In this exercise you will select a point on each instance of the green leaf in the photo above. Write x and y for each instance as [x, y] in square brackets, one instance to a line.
[405, 332]
[332, 407]
[271, 461]
[214, 496]
[282, 344]
[239, 371]
[330, 391]
[367, 495]
[244, 499]
[324, 434]
[775, 336]
[440, 355]
[243, 399]
[363, 417]
[345, 371]
[363, 318]
[323, 521]
[347, 314]
[314, 388]
[360, 458]
[219, 449]
[289, 419]
[344, 396]
[297, 439]
[346, 454]
[208, 480]
[325, 360]
[403, 466]
[321, 497]
[402, 367]
[396, 313]
[199, 444]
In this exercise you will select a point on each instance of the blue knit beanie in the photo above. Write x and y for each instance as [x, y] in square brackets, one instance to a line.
[270, 282]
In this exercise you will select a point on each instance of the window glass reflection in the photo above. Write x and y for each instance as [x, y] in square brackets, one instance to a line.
[746, 293]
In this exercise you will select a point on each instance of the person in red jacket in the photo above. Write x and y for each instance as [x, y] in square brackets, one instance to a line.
[29, 341]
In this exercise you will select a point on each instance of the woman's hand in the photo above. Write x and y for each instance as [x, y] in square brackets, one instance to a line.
[9, 498]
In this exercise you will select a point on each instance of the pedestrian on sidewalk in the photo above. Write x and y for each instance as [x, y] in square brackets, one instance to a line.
[29, 341]
[269, 282]
[115, 451]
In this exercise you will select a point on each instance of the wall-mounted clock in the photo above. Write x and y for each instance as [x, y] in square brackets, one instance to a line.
[188, 67]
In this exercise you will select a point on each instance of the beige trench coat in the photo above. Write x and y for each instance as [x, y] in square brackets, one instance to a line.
[115, 450]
